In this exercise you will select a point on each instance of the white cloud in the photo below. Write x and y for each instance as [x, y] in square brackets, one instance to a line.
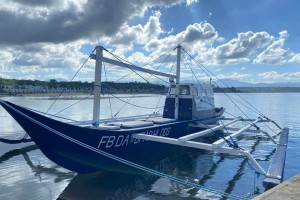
[295, 58]
[283, 34]
[237, 50]
[233, 75]
[59, 76]
[138, 34]
[60, 21]
[2, 75]
[49, 35]
[189, 2]
[273, 75]
[195, 37]
[5, 58]
[275, 53]
[29, 77]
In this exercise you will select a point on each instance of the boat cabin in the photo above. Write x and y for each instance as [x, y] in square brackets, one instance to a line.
[195, 101]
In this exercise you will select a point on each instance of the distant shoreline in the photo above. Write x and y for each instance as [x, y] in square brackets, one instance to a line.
[82, 94]
[43, 94]
[71, 94]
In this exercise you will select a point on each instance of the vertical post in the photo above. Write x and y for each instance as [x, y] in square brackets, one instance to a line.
[177, 81]
[178, 64]
[97, 85]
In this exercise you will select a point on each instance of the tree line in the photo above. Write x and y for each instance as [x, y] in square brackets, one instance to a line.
[106, 86]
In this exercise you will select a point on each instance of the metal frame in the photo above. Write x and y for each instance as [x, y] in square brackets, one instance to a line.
[98, 73]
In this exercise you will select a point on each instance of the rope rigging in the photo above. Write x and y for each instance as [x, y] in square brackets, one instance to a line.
[229, 97]
[111, 113]
[128, 66]
[133, 71]
[201, 66]
[71, 80]
[128, 101]
[168, 54]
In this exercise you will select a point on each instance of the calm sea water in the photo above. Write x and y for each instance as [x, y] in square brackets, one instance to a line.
[27, 174]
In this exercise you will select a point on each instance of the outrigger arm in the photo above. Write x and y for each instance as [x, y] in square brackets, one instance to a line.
[218, 145]
[200, 145]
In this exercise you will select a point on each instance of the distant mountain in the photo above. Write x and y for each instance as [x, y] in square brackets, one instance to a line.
[236, 83]
[232, 83]
[58, 80]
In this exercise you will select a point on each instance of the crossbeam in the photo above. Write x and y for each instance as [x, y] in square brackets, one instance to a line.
[200, 145]
[136, 68]
[207, 131]
[220, 142]
[246, 120]
[236, 129]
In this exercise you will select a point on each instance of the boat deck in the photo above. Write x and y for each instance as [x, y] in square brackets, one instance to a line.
[137, 123]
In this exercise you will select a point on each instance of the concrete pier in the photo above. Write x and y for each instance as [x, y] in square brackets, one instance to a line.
[288, 190]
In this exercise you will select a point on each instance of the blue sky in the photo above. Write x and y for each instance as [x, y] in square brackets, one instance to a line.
[253, 41]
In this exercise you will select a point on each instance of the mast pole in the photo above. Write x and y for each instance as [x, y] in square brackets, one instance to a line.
[177, 81]
[178, 64]
[97, 85]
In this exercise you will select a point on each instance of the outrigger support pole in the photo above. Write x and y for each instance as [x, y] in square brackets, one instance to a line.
[200, 145]
[97, 85]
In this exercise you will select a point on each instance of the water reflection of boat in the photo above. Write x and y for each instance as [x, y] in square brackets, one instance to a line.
[4, 147]
[8, 154]
[134, 184]
[37, 169]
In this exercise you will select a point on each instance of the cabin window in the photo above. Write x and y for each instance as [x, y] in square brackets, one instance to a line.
[184, 90]
[204, 92]
[173, 90]
[194, 92]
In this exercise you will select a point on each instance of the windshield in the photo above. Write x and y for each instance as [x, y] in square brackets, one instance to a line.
[184, 90]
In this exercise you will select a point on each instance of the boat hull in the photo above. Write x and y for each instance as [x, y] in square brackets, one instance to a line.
[85, 149]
